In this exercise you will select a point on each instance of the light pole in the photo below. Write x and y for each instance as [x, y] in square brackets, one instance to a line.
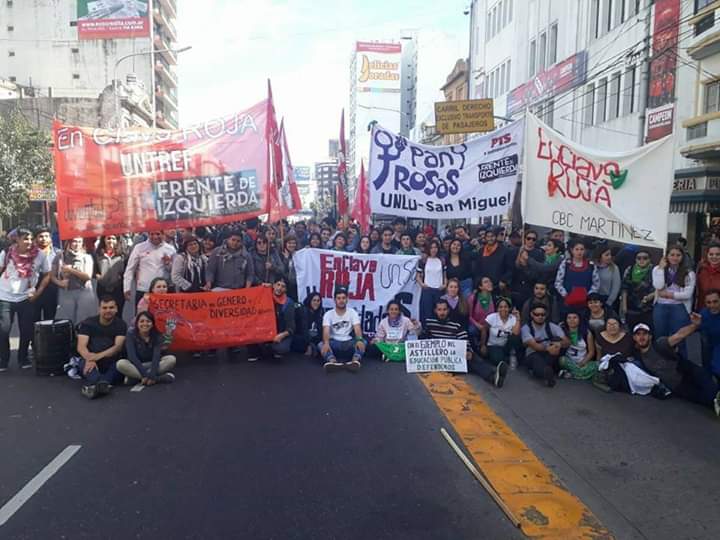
[152, 94]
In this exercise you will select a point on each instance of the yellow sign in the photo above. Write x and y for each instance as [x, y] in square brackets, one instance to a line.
[42, 192]
[467, 116]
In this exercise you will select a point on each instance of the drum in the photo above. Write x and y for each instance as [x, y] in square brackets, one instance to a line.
[52, 346]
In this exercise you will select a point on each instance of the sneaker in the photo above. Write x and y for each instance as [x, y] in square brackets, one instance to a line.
[74, 374]
[564, 374]
[103, 388]
[3, 368]
[549, 376]
[660, 391]
[500, 374]
[353, 366]
[25, 365]
[513, 362]
[90, 391]
[332, 365]
[716, 404]
[166, 378]
[253, 358]
[600, 381]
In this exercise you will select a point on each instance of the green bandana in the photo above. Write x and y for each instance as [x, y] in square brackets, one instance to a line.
[552, 259]
[638, 274]
[484, 299]
[574, 336]
[394, 352]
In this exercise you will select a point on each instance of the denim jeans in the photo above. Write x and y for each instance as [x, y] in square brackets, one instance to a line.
[341, 349]
[26, 313]
[428, 297]
[668, 319]
[110, 375]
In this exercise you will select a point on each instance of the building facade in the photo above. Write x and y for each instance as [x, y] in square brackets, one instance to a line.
[326, 179]
[41, 49]
[456, 89]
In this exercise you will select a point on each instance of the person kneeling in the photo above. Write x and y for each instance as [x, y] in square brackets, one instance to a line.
[99, 343]
[501, 337]
[285, 321]
[442, 327]
[144, 348]
[338, 325]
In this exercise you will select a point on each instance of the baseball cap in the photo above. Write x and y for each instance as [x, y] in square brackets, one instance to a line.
[641, 326]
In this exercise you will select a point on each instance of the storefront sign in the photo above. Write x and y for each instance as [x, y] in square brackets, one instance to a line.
[466, 116]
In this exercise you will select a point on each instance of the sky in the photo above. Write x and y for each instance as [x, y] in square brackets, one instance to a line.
[305, 47]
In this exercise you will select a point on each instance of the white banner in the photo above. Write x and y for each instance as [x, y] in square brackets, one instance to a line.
[372, 281]
[436, 355]
[472, 179]
[622, 196]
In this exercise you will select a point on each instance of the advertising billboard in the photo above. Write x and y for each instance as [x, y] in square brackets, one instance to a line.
[113, 19]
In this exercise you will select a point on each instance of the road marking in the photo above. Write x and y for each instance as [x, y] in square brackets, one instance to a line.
[137, 388]
[530, 490]
[32, 487]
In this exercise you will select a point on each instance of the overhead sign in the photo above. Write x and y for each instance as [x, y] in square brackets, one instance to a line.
[474, 179]
[565, 75]
[372, 281]
[112, 19]
[436, 355]
[621, 196]
[40, 191]
[216, 320]
[111, 182]
[466, 116]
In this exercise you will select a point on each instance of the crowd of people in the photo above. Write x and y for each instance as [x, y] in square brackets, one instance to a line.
[563, 308]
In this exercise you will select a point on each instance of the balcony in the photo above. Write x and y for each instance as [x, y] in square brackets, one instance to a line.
[705, 40]
[167, 97]
[165, 71]
[165, 50]
[165, 23]
[171, 7]
[161, 121]
[703, 137]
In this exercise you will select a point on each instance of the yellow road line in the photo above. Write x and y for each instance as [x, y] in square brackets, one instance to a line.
[532, 492]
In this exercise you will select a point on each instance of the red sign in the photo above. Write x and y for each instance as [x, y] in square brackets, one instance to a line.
[568, 74]
[660, 122]
[216, 320]
[110, 182]
[663, 65]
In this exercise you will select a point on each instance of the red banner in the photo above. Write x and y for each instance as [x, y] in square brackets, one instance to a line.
[216, 320]
[111, 182]
[342, 184]
[285, 201]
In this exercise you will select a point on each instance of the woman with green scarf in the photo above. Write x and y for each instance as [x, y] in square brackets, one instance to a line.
[578, 362]
[638, 294]
[546, 270]
[481, 303]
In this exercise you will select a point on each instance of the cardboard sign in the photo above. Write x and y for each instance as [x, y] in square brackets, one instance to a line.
[425, 355]
[466, 116]
[215, 320]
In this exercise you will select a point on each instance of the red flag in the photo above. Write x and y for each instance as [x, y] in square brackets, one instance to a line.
[342, 185]
[361, 207]
[274, 167]
[286, 200]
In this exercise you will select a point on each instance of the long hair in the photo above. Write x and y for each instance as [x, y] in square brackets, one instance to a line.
[359, 249]
[308, 300]
[462, 306]
[121, 248]
[598, 253]
[682, 271]
[154, 332]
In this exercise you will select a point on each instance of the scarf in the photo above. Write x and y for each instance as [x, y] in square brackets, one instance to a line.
[452, 301]
[638, 274]
[281, 300]
[552, 259]
[23, 263]
[484, 299]
[574, 336]
[489, 250]
[396, 322]
[193, 268]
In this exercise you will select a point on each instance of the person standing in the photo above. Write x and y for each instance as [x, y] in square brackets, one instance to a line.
[22, 270]
[494, 262]
[708, 274]
[72, 272]
[342, 336]
[189, 267]
[290, 245]
[230, 266]
[266, 263]
[47, 303]
[459, 266]
[110, 261]
[386, 245]
[432, 279]
[576, 278]
[609, 274]
[148, 260]
[638, 293]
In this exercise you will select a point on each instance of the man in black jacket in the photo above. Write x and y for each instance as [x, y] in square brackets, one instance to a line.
[494, 261]
[285, 320]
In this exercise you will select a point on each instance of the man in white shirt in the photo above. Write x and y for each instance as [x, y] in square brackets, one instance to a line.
[338, 326]
[148, 260]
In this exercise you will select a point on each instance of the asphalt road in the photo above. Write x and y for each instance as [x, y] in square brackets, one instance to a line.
[239, 450]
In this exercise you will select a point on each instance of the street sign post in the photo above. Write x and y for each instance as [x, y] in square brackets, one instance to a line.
[467, 116]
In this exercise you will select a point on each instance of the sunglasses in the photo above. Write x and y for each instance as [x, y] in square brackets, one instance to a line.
[531, 238]
[538, 314]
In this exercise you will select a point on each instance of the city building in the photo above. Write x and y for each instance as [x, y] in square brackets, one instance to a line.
[456, 89]
[326, 178]
[383, 89]
[51, 47]
[581, 67]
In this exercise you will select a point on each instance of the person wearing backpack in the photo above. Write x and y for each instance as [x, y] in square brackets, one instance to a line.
[544, 342]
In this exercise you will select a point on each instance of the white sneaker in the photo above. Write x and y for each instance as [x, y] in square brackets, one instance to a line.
[513, 360]
[716, 404]
[253, 358]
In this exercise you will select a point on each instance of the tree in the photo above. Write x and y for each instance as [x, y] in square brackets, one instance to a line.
[25, 158]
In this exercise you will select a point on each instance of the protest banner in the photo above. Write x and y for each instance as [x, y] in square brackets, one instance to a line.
[621, 196]
[436, 355]
[372, 281]
[111, 182]
[215, 320]
[473, 179]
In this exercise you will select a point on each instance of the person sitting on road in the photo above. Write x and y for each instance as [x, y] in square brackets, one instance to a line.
[481, 303]
[685, 379]
[443, 327]
[598, 313]
[309, 334]
[285, 322]
[708, 321]
[100, 341]
[394, 329]
[145, 362]
[579, 358]
[544, 342]
[338, 326]
[501, 334]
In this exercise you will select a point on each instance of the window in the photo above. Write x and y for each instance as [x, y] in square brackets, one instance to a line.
[496, 20]
[623, 9]
[74, 50]
[531, 64]
[10, 28]
[607, 16]
[510, 10]
[507, 76]
[695, 132]
[614, 107]
[552, 45]
[706, 23]
[619, 12]
[11, 53]
[506, 13]
[542, 50]
[700, 4]
[503, 88]
[595, 18]
[487, 27]
[712, 97]
[589, 105]
[629, 91]
[602, 100]
[12, 79]
[547, 112]
[9, 3]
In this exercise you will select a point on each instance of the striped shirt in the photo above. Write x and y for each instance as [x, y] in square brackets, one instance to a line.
[445, 329]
